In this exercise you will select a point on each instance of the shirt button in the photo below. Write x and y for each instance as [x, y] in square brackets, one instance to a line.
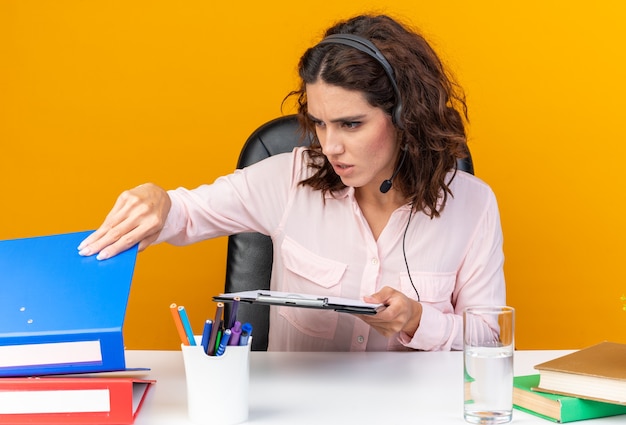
[374, 261]
[360, 339]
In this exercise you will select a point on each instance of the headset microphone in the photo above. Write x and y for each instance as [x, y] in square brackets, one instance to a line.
[386, 185]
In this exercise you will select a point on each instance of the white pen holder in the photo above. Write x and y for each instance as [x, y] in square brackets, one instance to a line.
[217, 386]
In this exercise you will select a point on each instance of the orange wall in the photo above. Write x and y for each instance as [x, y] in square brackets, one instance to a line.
[99, 96]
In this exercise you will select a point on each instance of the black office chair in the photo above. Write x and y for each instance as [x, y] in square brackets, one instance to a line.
[250, 255]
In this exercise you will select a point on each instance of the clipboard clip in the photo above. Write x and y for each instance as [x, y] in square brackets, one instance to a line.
[293, 299]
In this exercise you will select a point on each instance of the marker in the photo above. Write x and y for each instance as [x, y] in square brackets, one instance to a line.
[218, 338]
[233, 313]
[206, 334]
[179, 324]
[246, 331]
[236, 333]
[215, 328]
[186, 325]
[223, 342]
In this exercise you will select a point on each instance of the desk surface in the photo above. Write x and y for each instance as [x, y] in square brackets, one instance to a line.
[336, 388]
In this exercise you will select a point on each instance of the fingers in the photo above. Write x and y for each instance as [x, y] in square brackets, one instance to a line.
[138, 216]
[383, 296]
[109, 240]
[124, 241]
[401, 315]
[381, 327]
[115, 225]
[92, 241]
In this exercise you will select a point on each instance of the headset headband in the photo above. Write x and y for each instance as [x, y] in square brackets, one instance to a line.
[367, 47]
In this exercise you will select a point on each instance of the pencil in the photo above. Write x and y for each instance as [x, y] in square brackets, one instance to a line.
[233, 313]
[179, 324]
[186, 325]
[216, 326]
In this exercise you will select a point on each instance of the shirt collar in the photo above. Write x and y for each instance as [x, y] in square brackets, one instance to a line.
[340, 194]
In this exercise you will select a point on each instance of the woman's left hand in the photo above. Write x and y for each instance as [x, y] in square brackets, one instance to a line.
[401, 314]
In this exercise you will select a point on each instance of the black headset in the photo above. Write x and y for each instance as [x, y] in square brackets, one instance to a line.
[367, 47]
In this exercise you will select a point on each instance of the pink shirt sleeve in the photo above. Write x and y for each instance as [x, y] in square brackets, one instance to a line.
[252, 199]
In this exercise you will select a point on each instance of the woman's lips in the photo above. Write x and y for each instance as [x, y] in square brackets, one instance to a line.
[342, 169]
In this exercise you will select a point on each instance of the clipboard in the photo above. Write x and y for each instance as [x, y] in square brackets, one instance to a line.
[289, 299]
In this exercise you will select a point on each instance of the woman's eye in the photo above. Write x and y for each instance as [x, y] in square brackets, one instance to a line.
[318, 123]
[351, 124]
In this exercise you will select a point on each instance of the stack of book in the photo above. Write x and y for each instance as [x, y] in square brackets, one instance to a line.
[61, 318]
[586, 384]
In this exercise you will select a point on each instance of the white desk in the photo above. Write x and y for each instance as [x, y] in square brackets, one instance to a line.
[336, 388]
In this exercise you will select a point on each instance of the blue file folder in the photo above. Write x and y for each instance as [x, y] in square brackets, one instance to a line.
[60, 312]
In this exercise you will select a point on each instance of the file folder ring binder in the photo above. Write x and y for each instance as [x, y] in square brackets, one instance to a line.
[60, 312]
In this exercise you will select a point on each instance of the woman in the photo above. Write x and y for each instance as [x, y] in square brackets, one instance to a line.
[375, 209]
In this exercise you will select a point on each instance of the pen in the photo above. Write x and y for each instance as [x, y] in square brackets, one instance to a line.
[246, 331]
[236, 333]
[186, 325]
[206, 334]
[223, 342]
[179, 324]
[218, 338]
[233, 313]
[215, 328]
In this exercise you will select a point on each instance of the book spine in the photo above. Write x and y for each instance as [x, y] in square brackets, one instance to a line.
[67, 401]
[48, 354]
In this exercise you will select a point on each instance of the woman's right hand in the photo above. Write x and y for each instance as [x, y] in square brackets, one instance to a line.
[138, 216]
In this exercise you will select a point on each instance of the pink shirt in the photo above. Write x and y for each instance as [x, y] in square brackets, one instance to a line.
[323, 245]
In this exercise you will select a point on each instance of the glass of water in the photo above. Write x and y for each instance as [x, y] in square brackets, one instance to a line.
[489, 343]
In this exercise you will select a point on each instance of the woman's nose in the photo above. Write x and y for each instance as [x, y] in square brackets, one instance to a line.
[330, 141]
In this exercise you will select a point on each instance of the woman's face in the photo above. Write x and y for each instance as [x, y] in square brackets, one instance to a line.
[357, 138]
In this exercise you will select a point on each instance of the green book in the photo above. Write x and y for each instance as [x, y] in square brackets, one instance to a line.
[558, 408]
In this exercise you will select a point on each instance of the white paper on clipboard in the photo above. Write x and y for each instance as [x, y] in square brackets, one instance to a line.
[290, 299]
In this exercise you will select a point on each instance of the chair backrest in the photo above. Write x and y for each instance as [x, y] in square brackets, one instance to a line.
[250, 255]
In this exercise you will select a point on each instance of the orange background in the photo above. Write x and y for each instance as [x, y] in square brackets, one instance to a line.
[99, 96]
